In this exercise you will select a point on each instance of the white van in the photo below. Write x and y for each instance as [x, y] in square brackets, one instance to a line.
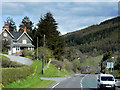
[106, 81]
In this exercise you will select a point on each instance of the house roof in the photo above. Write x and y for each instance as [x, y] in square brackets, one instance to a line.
[8, 32]
[16, 34]
[23, 34]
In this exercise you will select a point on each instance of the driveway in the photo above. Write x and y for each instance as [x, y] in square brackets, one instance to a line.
[19, 59]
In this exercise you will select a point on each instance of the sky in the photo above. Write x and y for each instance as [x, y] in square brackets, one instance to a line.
[70, 16]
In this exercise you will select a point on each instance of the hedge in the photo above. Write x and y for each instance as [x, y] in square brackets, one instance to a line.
[14, 71]
[7, 63]
[10, 75]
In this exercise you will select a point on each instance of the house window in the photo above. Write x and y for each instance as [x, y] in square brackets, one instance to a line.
[24, 41]
[17, 49]
[5, 34]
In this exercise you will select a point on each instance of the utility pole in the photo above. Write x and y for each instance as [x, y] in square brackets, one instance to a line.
[113, 65]
[101, 64]
[11, 46]
[43, 54]
[37, 48]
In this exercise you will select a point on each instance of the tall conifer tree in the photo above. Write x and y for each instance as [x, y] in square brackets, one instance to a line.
[48, 26]
[26, 22]
[11, 24]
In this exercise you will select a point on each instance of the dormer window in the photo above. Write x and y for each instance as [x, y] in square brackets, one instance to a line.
[5, 34]
[24, 41]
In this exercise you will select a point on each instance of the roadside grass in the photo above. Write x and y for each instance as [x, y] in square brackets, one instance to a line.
[4, 57]
[32, 58]
[52, 71]
[34, 80]
[92, 63]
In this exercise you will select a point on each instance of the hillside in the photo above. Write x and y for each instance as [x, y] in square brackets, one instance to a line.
[102, 37]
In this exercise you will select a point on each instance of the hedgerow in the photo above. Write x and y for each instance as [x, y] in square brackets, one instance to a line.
[14, 71]
[7, 64]
[10, 75]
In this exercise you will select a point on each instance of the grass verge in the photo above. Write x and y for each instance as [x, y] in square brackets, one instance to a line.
[4, 57]
[34, 80]
[52, 71]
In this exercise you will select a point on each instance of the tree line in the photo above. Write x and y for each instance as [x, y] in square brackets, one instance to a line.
[103, 37]
[46, 26]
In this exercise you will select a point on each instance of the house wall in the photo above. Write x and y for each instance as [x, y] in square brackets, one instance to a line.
[24, 37]
[9, 38]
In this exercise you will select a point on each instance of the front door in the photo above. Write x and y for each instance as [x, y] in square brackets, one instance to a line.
[14, 49]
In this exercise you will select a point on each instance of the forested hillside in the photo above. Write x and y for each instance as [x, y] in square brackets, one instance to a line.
[102, 37]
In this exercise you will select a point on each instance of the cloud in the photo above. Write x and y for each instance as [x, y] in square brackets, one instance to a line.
[70, 16]
[78, 23]
[61, 1]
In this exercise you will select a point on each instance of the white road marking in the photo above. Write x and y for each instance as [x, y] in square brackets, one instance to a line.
[54, 86]
[82, 80]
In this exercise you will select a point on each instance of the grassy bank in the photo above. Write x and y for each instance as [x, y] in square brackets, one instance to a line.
[4, 57]
[34, 80]
[92, 63]
[52, 71]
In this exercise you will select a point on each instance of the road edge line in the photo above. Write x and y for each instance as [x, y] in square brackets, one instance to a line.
[82, 80]
[55, 85]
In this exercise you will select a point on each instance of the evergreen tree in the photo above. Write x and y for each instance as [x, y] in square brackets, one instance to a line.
[26, 22]
[48, 26]
[11, 24]
[117, 63]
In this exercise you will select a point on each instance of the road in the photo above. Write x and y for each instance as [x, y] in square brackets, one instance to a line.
[19, 59]
[71, 82]
[79, 82]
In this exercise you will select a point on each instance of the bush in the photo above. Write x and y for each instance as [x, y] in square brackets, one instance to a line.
[68, 65]
[117, 63]
[58, 64]
[76, 65]
[8, 63]
[27, 53]
[43, 52]
[117, 74]
[10, 75]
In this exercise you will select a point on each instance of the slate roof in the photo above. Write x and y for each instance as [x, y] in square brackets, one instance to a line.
[16, 34]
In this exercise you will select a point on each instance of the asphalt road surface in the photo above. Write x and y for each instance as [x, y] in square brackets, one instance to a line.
[79, 82]
[19, 59]
[71, 82]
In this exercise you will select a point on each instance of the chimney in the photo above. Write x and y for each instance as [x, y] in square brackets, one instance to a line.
[25, 29]
[6, 27]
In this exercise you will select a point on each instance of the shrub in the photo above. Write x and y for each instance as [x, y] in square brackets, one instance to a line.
[58, 64]
[68, 65]
[43, 52]
[8, 63]
[117, 63]
[10, 75]
[27, 53]
[76, 65]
